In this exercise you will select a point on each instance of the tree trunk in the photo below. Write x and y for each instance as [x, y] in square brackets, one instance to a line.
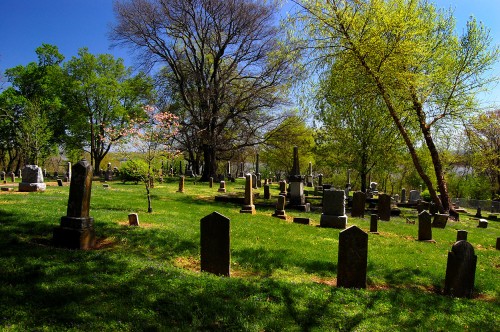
[209, 163]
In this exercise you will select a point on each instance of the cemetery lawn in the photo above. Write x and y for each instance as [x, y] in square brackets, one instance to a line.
[283, 275]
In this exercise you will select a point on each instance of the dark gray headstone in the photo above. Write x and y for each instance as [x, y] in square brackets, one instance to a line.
[384, 207]
[478, 213]
[358, 204]
[301, 220]
[282, 187]
[211, 182]
[424, 226]
[461, 235]
[352, 258]
[403, 195]
[280, 208]
[460, 270]
[498, 243]
[333, 209]
[440, 220]
[215, 244]
[483, 223]
[374, 223]
[267, 192]
[76, 230]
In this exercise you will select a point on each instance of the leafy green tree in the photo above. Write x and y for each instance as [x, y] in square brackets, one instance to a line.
[409, 53]
[223, 63]
[103, 100]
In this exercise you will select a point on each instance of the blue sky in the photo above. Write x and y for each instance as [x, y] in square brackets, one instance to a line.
[72, 24]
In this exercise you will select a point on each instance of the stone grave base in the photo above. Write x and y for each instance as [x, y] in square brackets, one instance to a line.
[339, 222]
[31, 187]
[71, 238]
[248, 209]
[303, 221]
[279, 214]
[222, 190]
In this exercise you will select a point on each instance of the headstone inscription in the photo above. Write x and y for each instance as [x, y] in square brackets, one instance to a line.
[248, 206]
[352, 258]
[358, 204]
[333, 209]
[460, 270]
[76, 230]
[215, 241]
[384, 207]
[32, 179]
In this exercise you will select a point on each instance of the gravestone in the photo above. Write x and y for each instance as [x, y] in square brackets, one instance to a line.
[2, 174]
[374, 223]
[414, 196]
[133, 219]
[108, 176]
[301, 220]
[280, 208]
[358, 204]
[309, 178]
[333, 209]
[283, 187]
[320, 180]
[460, 270]
[222, 187]
[373, 188]
[461, 235]
[384, 207]
[296, 194]
[68, 172]
[241, 171]
[215, 241]
[181, 184]
[254, 180]
[32, 179]
[440, 220]
[267, 192]
[59, 182]
[352, 258]
[478, 213]
[76, 230]
[424, 227]
[211, 182]
[248, 206]
[396, 198]
[403, 195]
[483, 223]
[498, 243]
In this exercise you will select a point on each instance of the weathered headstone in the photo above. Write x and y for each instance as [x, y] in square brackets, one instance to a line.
[461, 235]
[248, 206]
[133, 219]
[424, 226]
[32, 179]
[309, 178]
[267, 192]
[301, 220]
[296, 194]
[76, 230]
[384, 207]
[280, 208]
[483, 223]
[2, 174]
[215, 245]
[59, 182]
[333, 209]
[181, 184]
[414, 196]
[13, 177]
[222, 187]
[374, 223]
[403, 195]
[352, 258]
[254, 180]
[460, 270]
[358, 204]
[478, 213]
[282, 187]
[320, 180]
[440, 220]
[108, 176]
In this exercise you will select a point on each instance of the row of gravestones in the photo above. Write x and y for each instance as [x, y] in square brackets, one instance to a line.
[215, 254]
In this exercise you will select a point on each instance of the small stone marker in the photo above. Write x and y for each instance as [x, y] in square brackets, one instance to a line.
[460, 270]
[13, 177]
[133, 219]
[7, 189]
[333, 209]
[222, 187]
[32, 179]
[424, 227]
[59, 182]
[358, 204]
[478, 213]
[267, 191]
[461, 235]
[403, 195]
[374, 223]
[280, 208]
[352, 258]
[483, 223]
[301, 220]
[215, 244]
[440, 220]
[384, 207]
[248, 207]
[2, 175]
[76, 230]
[181, 184]
[283, 188]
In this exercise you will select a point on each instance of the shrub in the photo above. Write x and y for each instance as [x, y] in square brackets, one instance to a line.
[133, 170]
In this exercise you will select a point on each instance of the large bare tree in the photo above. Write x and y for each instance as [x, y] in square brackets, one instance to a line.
[222, 61]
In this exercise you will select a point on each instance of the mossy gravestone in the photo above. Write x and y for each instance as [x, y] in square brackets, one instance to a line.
[460, 270]
[77, 227]
[215, 244]
[353, 258]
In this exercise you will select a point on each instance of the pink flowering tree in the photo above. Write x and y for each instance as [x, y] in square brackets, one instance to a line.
[150, 140]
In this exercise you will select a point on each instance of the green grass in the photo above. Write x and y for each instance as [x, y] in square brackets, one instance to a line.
[282, 274]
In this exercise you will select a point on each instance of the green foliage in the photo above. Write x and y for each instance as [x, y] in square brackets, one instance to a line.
[134, 170]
